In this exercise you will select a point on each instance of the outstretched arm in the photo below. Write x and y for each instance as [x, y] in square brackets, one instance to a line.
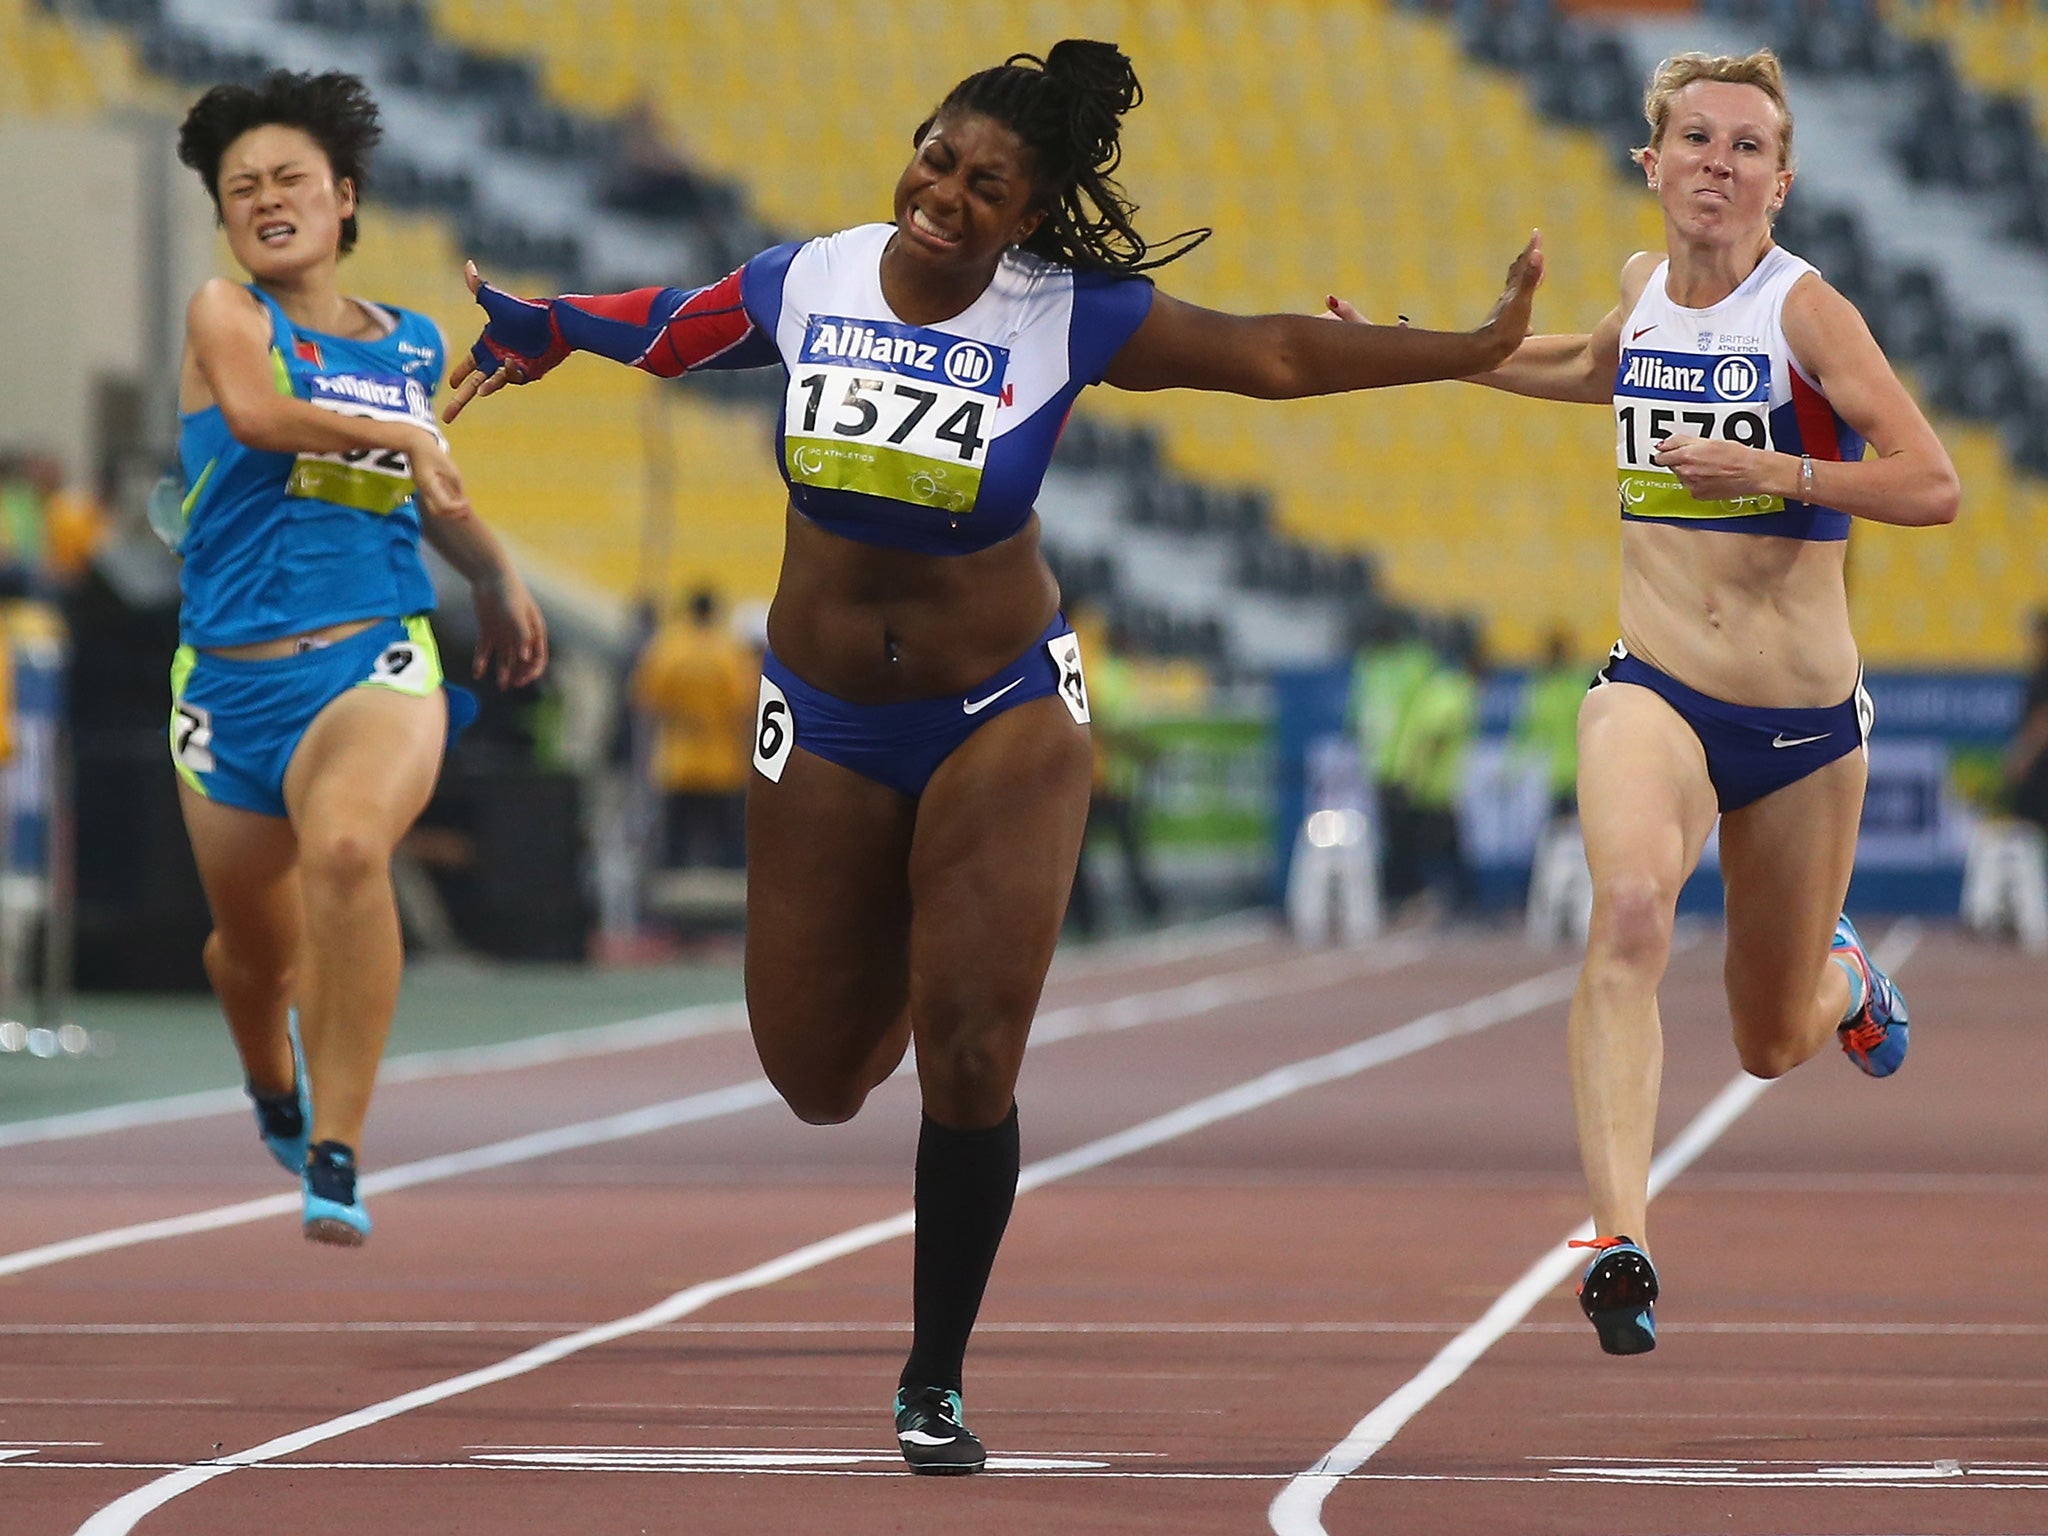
[1286, 357]
[1574, 368]
[663, 331]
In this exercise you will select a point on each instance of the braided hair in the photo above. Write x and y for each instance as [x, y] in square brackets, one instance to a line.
[334, 109]
[1065, 107]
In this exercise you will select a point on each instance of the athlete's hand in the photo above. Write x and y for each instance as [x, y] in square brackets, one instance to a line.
[435, 478]
[512, 634]
[1509, 322]
[518, 345]
[1714, 469]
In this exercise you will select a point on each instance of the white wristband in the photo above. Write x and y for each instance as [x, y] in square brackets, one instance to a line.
[1806, 477]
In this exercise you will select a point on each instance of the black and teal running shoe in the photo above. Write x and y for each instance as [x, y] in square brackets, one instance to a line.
[930, 1434]
[1619, 1296]
[285, 1120]
[333, 1210]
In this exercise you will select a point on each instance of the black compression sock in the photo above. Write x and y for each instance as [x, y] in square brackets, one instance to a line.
[966, 1184]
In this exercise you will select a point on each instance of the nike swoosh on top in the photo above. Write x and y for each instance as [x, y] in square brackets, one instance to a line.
[976, 706]
[1644, 331]
[1780, 739]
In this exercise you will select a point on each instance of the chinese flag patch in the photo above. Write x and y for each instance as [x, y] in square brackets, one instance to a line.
[307, 351]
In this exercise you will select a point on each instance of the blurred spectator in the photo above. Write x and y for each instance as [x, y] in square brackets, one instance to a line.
[1436, 732]
[1115, 803]
[1547, 722]
[696, 684]
[2026, 759]
[47, 532]
[648, 174]
[1394, 661]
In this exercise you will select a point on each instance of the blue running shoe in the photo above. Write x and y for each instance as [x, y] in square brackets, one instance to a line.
[1875, 1035]
[1619, 1296]
[334, 1213]
[285, 1122]
[930, 1434]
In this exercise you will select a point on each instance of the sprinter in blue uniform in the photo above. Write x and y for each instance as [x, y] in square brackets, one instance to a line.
[921, 755]
[1744, 390]
[308, 706]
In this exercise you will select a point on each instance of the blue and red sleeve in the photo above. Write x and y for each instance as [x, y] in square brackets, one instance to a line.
[663, 331]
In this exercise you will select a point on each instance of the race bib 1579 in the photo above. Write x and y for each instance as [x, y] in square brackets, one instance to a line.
[892, 410]
[1659, 393]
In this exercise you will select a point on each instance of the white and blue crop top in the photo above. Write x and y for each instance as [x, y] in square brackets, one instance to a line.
[933, 438]
[1725, 371]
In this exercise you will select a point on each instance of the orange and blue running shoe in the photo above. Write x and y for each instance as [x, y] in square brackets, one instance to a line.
[1619, 1295]
[1874, 1036]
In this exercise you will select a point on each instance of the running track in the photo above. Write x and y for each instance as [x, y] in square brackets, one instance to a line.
[1288, 1260]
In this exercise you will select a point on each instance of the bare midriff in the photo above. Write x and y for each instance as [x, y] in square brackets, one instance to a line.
[291, 645]
[1745, 618]
[873, 625]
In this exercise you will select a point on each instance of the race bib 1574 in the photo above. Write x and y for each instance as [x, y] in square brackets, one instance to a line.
[892, 410]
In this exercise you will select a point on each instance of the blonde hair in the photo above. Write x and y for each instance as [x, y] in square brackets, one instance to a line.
[1760, 69]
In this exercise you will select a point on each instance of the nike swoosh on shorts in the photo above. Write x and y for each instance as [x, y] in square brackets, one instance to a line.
[976, 706]
[1779, 740]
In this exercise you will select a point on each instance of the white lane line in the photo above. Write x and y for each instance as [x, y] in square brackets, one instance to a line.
[1512, 1002]
[1297, 1509]
[1209, 937]
[1186, 1000]
[665, 1028]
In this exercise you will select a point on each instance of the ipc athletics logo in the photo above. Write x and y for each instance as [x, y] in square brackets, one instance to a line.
[1734, 378]
[969, 364]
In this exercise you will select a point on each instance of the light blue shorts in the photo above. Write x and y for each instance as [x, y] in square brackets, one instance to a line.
[236, 724]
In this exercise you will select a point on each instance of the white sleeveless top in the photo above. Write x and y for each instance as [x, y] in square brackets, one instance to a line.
[1722, 372]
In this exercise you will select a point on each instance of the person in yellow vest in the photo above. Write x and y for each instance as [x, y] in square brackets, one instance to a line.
[6, 707]
[1114, 805]
[695, 683]
[1547, 721]
[1436, 734]
[1394, 660]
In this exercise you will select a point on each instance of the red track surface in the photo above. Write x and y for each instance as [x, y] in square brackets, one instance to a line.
[1853, 1293]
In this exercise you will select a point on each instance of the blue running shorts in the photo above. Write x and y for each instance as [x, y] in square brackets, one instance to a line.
[236, 724]
[1752, 751]
[902, 745]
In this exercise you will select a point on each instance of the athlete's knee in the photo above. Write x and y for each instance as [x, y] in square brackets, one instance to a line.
[1632, 917]
[1769, 1041]
[1768, 1055]
[966, 1072]
[819, 1100]
[342, 859]
[243, 964]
